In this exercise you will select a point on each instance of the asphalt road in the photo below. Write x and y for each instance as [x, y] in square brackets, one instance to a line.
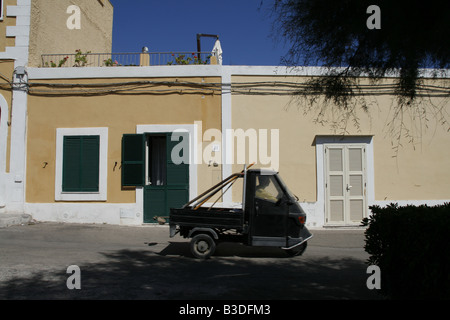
[118, 262]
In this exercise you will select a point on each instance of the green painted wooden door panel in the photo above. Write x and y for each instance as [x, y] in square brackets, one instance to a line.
[171, 189]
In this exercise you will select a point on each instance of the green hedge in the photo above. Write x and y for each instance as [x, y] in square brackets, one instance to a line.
[411, 245]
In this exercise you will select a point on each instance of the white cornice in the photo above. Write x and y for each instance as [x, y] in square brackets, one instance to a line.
[124, 72]
[197, 71]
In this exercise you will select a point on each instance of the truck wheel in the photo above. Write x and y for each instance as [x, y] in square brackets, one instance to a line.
[202, 246]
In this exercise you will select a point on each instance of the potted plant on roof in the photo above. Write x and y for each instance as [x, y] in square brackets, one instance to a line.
[80, 58]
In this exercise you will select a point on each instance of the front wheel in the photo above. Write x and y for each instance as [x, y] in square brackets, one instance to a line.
[202, 246]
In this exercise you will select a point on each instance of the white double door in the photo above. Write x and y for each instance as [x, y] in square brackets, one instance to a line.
[345, 184]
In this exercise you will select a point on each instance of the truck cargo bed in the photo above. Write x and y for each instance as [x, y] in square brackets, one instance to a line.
[208, 218]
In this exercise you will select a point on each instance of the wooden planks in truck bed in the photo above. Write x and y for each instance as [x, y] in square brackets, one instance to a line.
[202, 217]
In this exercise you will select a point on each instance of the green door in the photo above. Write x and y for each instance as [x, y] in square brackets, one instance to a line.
[160, 164]
[167, 180]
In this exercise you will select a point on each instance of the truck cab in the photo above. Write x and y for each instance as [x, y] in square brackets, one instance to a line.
[270, 216]
[274, 214]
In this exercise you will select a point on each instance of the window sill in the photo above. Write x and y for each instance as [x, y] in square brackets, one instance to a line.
[80, 196]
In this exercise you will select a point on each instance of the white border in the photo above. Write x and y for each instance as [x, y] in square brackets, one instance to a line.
[101, 195]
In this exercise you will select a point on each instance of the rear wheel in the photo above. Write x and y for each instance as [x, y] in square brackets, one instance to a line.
[202, 246]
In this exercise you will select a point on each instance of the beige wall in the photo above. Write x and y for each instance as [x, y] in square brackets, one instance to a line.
[419, 170]
[49, 33]
[7, 21]
[121, 114]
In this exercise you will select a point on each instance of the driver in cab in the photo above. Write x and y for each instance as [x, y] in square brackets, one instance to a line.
[266, 190]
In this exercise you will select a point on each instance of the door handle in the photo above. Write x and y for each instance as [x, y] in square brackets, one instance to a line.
[348, 187]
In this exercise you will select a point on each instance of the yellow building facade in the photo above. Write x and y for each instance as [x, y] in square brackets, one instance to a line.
[232, 116]
[29, 29]
[108, 143]
[151, 104]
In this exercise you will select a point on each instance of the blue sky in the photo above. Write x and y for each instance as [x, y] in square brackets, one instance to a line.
[244, 28]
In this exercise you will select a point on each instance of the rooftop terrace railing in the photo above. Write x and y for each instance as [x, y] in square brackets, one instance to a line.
[88, 59]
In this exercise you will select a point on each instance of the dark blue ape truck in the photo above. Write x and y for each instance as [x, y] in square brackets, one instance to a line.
[270, 216]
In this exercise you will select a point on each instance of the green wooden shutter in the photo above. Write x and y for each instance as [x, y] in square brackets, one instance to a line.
[90, 164]
[81, 155]
[71, 164]
[178, 158]
[133, 160]
[177, 173]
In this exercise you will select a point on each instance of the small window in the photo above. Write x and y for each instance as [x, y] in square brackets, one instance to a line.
[157, 162]
[267, 188]
[81, 156]
[81, 168]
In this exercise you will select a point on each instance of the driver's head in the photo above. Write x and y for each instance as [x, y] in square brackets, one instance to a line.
[263, 181]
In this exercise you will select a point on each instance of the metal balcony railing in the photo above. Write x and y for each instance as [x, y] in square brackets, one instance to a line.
[81, 59]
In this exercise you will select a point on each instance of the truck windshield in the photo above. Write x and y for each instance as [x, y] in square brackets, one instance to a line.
[285, 187]
[268, 188]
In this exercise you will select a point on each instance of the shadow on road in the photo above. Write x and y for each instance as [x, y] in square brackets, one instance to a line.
[235, 272]
[225, 250]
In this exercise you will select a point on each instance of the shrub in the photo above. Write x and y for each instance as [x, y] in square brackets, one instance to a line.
[411, 245]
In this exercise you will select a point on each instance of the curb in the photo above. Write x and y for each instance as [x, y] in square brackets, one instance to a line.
[7, 220]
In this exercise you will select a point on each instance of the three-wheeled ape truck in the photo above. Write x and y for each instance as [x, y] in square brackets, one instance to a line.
[270, 216]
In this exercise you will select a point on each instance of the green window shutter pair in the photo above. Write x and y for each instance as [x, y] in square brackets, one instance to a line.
[81, 161]
[81, 156]
[133, 160]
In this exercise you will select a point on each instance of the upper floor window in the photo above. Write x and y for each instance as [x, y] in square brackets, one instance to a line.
[267, 188]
